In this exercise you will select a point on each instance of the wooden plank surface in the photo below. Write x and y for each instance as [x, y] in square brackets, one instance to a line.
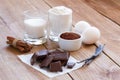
[12, 25]
[79, 11]
[105, 67]
[109, 30]
[101, 69]
[108, 8]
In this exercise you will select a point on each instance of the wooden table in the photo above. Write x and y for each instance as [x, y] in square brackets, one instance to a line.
[103, 14]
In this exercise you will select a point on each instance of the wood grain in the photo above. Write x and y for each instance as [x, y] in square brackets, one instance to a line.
[105, 67]
[11, 20]
[109, 30]
[102, 68]
[108, 8]
[105, 70]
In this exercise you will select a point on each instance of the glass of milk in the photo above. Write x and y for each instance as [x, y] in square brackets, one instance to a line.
[35, 27]
[60, 20]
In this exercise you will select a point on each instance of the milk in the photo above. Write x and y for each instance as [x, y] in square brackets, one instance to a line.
[60, 20]
[35, 28]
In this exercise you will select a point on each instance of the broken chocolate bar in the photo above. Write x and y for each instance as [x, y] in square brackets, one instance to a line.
[41, 55]
[70, 64]
[38, 56]
[33, 59]
[52, 59]
[61, 56]
[46, 61]
[55, 66]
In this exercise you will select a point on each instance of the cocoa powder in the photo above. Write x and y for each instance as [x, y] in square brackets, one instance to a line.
[70, 36]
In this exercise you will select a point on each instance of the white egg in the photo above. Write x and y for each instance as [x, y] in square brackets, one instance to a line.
[91, 35]
[81, 26]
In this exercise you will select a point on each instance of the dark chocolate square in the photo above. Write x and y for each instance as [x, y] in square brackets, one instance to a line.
[70, 64]
[55, 66]
[41, 55]
[46, 61]
[38, 56]
[33, 59]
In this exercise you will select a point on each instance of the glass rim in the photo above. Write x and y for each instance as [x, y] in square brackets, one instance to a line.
[34, 14]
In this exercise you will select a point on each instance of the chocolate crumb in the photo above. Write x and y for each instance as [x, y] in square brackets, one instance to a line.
[70, 64]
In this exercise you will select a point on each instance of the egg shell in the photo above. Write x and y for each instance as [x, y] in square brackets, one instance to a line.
[91, 35]
[81, 26]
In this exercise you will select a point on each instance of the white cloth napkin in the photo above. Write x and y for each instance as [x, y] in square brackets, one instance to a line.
[26, 59]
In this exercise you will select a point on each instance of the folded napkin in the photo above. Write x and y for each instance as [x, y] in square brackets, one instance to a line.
[26, 59]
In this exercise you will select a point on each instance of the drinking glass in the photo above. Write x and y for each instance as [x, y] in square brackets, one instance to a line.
[60, 20]
[35, 27]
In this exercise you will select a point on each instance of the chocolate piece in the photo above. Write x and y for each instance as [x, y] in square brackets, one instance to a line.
[38, 56]
[55, 66]
[61, 56]
[70, 65]
[54, 59]
[46, 61]
[41, 55]
[64, 62]
[33, 59]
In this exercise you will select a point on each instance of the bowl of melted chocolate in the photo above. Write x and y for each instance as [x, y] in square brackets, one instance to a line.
[70, 41]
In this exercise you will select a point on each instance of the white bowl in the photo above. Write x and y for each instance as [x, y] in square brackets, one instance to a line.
[70, 44]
